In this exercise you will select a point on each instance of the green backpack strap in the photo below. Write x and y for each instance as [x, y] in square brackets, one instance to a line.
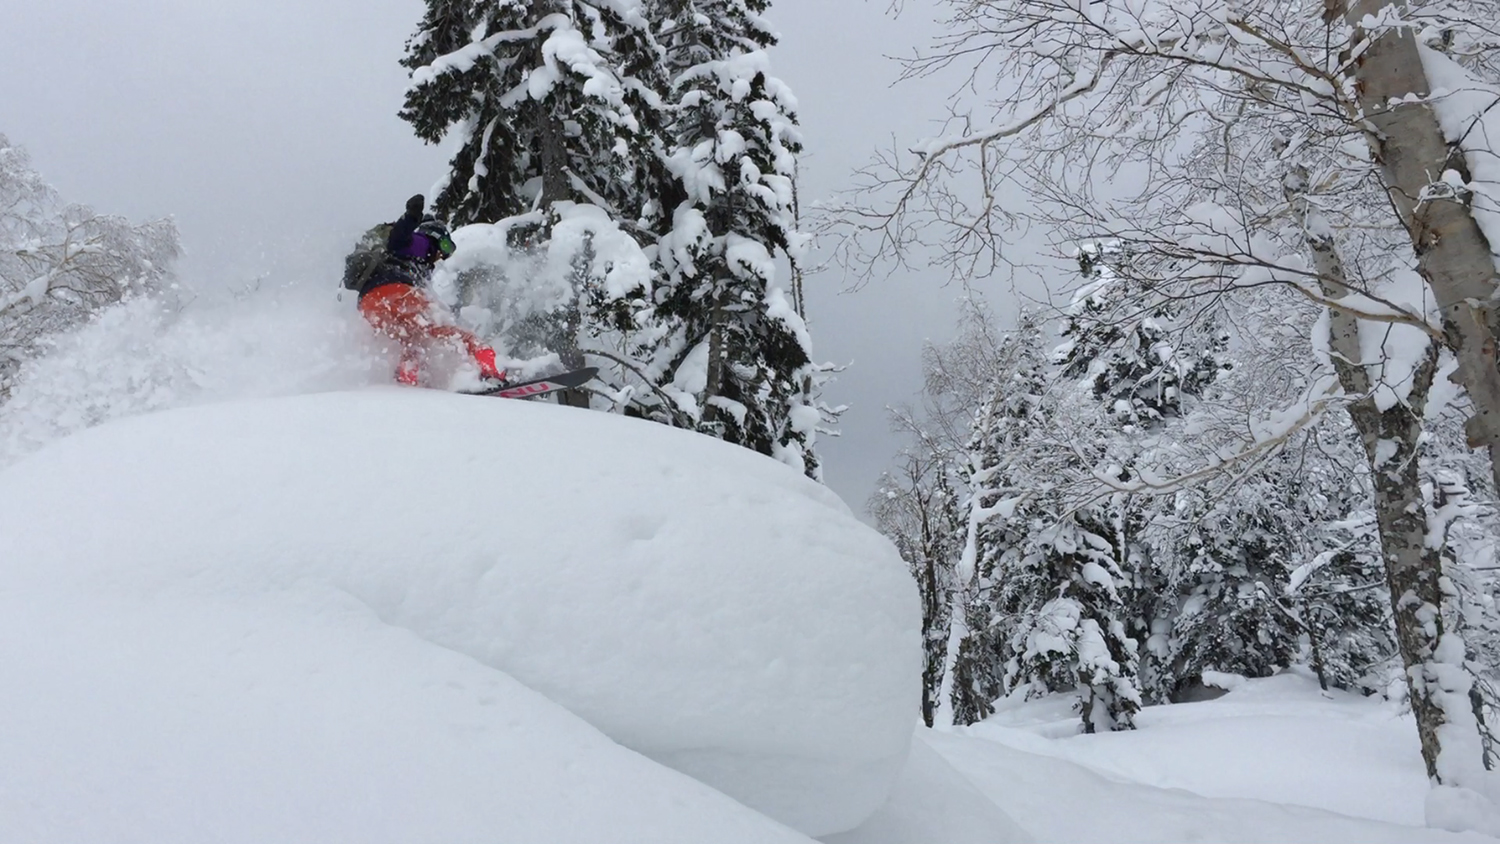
[369, 253]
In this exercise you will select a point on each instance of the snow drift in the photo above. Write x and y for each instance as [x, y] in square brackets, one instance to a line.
[698, 603]
[300, 718]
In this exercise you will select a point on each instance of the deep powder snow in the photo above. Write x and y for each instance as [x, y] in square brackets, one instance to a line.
[257, 581]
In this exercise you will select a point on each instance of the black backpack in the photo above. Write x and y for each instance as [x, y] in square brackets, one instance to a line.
[369, 253]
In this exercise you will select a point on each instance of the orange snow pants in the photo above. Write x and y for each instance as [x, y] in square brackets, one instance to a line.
[406, 314]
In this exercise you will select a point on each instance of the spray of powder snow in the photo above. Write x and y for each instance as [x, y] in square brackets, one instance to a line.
[144, 355]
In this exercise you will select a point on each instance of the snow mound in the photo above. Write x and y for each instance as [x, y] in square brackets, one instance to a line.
[1458, 809]
[933, 802]
[698, 603]
[301, 719]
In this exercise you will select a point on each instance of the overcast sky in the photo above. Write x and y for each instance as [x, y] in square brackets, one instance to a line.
[268, 129]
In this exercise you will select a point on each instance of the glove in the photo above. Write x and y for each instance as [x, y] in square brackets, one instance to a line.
[487, 367]
[414, 205]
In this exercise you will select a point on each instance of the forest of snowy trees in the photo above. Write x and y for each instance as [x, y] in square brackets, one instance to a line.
[1254, 434]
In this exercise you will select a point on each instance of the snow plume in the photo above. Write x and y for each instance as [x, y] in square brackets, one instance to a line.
[61, 263]
[614, 264]
[147, 354]
[515, 284]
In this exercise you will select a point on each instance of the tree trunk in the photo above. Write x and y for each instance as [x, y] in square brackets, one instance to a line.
[552, 148]
[572, 358]
[1453, 255]
[935, 545]
[1314, 639]
[933, 660]
[1413, 570]
[553, 143]
[1391, 438]
[713, 384]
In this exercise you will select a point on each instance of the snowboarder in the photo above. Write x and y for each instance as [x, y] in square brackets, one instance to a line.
[393, 300]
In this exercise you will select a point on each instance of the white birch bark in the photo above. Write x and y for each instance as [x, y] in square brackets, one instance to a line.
[1453, 255]
[1413, 564]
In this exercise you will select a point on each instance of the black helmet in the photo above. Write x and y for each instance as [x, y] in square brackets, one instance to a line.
[438, 233]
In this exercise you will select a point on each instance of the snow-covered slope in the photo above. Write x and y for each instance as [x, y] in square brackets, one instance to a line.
[292, 618]
[1279, 739]
[1276, 760]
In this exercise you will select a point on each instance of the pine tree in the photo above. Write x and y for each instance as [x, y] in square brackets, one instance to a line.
[1213, 594]
[1044, 586]
[541, 98]
[974, 670]
[1227, 576]
[664, 118]
[994, 471]
[1136, 351]
[1063, 591]
[1140, 360]
[554, 104]
[736, 356]
[1338, 594]
[1047, 609]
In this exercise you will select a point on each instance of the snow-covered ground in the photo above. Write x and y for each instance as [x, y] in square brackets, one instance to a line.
[1276, 760]
[377, 615]
[1280, 740]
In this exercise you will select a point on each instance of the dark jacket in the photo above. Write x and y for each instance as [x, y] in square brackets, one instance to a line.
[398, 268]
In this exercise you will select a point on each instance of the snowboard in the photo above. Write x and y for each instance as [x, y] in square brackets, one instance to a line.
[539, 386]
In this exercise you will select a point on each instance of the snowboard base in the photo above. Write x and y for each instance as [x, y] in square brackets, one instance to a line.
[539, 386]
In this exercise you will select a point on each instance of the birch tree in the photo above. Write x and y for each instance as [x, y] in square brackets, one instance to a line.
[1448, 213]
[916, 506]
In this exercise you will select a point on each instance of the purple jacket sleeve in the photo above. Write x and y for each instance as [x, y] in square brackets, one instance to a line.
[401, 231]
